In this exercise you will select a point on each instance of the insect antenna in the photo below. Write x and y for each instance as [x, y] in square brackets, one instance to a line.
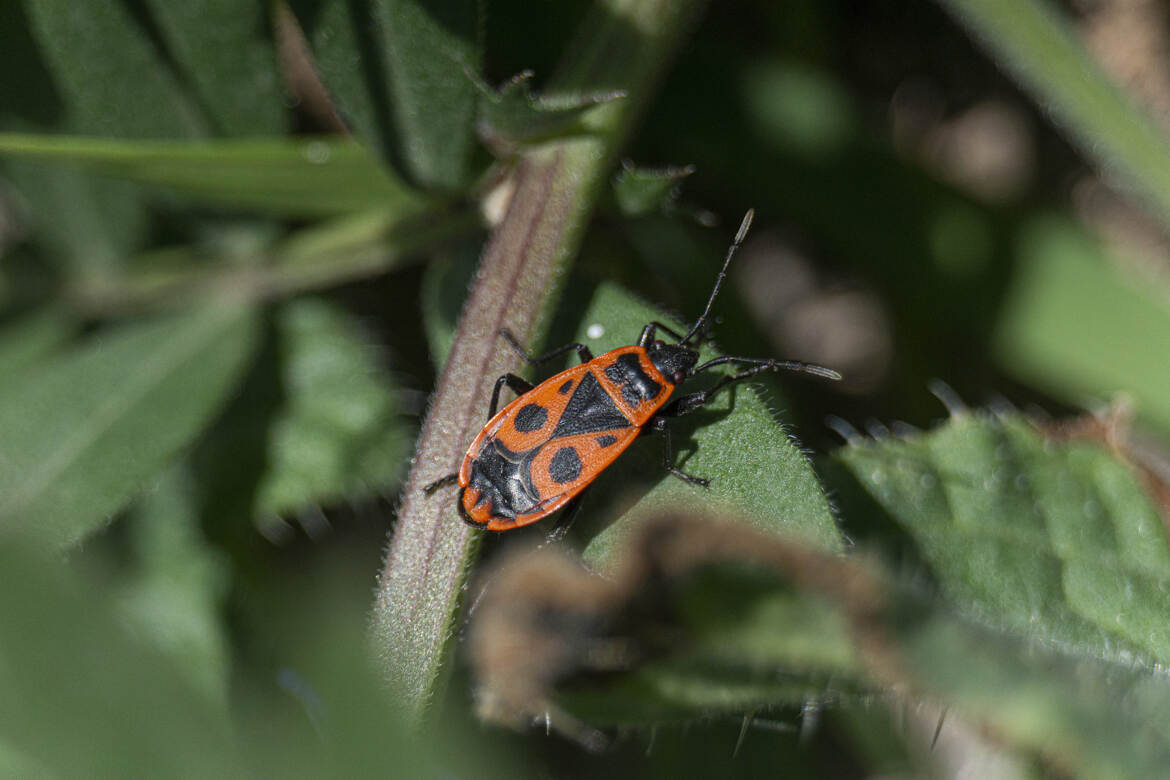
[758, 365]
[739, 237]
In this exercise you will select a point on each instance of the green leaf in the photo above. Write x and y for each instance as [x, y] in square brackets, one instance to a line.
[178, 584]
[1084, 717]
[428, 45]
[96, 696]
[222, 50]
[31, 338]
[642, 191]
[85, 223]
[318, 422]
[285, 177]
[397, 69]
[105, 70]
[342, 432]
[31, 99]
[514, 115]
[92, 699]
[83, 432]
[1054, 539]
[65, 68]
[16, 763]
[324, 254]
[755, 467]
[707, 617]
[110, 77]
[1045, 338]
[340, 36]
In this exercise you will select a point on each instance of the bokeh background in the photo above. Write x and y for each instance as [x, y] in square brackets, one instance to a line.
[200, 501]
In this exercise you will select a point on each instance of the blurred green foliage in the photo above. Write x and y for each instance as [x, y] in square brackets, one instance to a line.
[220, 319]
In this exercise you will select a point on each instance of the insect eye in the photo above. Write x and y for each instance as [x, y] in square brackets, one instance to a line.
[659, 344]
[678, 377]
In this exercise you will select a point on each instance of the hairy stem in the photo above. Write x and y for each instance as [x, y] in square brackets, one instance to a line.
[623, 45]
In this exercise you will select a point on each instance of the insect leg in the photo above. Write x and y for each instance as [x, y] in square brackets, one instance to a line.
[661, 427]
[582, 351]
[519, 386]
[441, 482]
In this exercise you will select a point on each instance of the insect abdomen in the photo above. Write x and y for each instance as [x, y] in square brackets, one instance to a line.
[550, 443]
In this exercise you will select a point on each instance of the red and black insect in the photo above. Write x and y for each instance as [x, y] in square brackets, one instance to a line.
[538, 453]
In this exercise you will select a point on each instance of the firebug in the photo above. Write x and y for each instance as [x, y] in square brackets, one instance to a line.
[538, 453]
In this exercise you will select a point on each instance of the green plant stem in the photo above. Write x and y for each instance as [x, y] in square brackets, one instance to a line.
[339, 251]
[1038, 46]
[309, 177]
[624, 44]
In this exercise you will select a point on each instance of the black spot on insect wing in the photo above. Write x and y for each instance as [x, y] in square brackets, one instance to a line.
[565, 465]
[606, 440]
[566, 387]
[531, 417]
